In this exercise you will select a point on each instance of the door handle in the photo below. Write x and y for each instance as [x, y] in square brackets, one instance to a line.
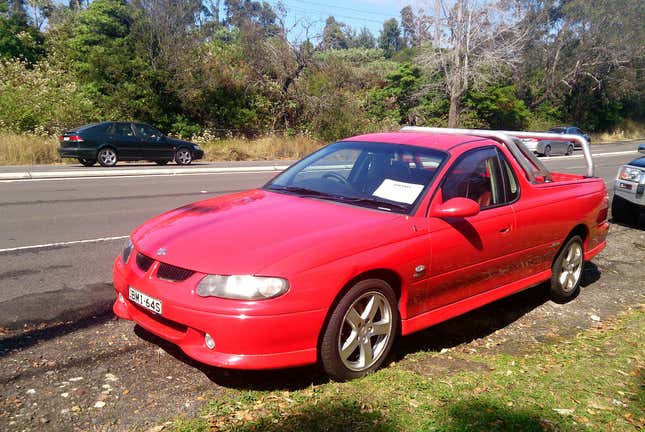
[505, 230]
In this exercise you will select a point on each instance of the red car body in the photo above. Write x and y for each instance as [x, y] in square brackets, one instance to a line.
[438, 267]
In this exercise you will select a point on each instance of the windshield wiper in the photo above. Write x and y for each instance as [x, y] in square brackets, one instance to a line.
[300, 191]
[377, 203]
[372, 202]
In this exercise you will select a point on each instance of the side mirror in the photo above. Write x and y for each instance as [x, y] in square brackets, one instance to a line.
[457, 208]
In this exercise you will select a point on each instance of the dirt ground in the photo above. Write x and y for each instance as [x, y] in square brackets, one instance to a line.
[104, 374]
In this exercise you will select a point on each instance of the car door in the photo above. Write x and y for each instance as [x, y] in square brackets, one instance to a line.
[154, 146]
[125, 141]
[472, 255]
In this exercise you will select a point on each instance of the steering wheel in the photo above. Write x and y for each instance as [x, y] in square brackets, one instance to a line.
[335, 176]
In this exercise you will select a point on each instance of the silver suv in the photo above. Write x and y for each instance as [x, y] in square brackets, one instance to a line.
[629, 191]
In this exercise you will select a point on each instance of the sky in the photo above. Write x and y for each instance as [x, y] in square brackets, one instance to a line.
[355, 13]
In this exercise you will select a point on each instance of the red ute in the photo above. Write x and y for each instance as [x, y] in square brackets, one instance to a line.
[368, 237]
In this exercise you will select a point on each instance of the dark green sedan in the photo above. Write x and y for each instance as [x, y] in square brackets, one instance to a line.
[109, 142]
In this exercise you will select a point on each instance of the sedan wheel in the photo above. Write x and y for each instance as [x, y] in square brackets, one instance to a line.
[547, 151]
[567, 270]
[87, 162]
[183, 157]
[360, 331]
[107, 157]
[569, 150]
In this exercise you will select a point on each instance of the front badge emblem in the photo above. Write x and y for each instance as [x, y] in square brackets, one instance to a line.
[161, 252]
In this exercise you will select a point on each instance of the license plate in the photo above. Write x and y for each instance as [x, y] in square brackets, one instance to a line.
[150, 303]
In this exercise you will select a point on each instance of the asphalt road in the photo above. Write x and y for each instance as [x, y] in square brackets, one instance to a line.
[58, 237]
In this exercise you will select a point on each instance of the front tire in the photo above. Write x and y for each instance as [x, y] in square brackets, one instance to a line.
[107, 157]
[567, 270]
[360, 331]
[183, 156]
[569, 150]
[547, 151]
[87, 162]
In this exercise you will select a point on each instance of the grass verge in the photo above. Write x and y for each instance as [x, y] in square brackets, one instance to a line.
[24, 149]
[594, 381]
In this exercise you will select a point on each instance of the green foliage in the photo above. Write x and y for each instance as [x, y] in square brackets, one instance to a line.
[397, 98]
[19, 39]
[496, 107]
[41, 99]
[180, 67]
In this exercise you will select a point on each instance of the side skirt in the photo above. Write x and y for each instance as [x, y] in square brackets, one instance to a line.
[444, 313]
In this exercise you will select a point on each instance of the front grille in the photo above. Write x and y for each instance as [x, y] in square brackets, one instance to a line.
[172, 273]
[144, 262]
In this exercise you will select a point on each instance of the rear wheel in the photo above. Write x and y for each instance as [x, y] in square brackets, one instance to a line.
[622, 211]
[547, 151]
[360, 331]
[569, 150]
[107, 157]
[567, 270]
[87, 162]
[183, 156]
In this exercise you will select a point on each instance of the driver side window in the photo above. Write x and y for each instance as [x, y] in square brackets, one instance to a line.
[475, 176]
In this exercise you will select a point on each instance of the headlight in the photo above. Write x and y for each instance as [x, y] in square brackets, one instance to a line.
[196, 147]
[242, 287]
[127, 250]
[629, 174]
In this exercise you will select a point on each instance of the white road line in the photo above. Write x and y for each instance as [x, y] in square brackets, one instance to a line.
[68, 243]
[132, 176]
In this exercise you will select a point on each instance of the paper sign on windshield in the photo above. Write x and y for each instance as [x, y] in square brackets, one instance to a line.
[398, 191]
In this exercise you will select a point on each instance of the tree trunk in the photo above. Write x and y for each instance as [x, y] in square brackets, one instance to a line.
[455, 101]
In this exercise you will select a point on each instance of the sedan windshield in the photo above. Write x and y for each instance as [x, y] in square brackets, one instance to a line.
[388, 177]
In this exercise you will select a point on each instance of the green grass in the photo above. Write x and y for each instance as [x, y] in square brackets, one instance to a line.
[593, 381]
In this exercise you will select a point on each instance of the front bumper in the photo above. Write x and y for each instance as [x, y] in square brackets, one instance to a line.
[242, 340]
[198, 154]
[630, 191]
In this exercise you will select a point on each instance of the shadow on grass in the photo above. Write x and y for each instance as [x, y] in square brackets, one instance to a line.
[327, 416]
[479, 414]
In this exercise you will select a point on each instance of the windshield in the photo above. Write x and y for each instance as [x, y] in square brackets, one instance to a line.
[560, 130]
[388, 177]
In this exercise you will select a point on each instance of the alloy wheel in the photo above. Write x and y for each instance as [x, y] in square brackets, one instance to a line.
[107, 157]
[571, 268]
[366, 330]
[183, 157]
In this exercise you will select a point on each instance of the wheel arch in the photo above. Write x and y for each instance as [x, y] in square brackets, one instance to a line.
[581, 230]
[107, 145]
[385, 274]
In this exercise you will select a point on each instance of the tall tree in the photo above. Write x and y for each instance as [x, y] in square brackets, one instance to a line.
[18, 38]
[390, 38]
[334, 36]
[480, 43]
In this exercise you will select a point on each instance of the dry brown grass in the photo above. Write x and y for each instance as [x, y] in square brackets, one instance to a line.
[625, 131]
[269, 147]
[23, 149]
